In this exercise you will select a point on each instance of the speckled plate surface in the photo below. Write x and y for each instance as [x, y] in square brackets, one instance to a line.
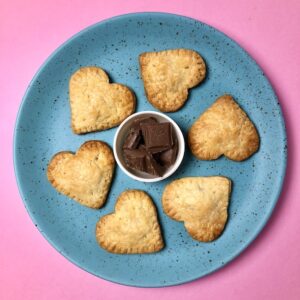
[43, 128]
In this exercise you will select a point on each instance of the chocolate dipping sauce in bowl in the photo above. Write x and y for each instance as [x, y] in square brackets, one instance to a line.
[149, 146]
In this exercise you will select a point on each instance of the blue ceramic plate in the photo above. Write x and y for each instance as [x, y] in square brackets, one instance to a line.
[43, 128]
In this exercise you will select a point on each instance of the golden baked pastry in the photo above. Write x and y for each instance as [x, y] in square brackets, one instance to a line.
[169, 74]
[85, 176]
[97, 104]
[201, 203]
[133, 227]
[224, 128]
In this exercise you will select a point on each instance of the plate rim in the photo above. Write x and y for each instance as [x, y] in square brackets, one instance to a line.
[281, 174]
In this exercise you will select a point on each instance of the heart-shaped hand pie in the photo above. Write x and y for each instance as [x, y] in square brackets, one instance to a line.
[224, 128]
[168, 75]
[201, 203]
[85, 176]
[97, 104]
[133, 227]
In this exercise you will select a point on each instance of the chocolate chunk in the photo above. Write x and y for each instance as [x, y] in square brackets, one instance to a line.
[157, 137]
[132, 140]
[136, 124]
[142, 146]
[168, 157]
[136, 159]
[134, 137]
[153, 167]
[139, 159]
[150, 146]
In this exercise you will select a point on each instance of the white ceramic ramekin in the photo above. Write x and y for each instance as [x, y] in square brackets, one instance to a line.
[121, 134]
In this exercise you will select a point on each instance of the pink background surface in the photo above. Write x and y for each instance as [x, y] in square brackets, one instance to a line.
[30, 30]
